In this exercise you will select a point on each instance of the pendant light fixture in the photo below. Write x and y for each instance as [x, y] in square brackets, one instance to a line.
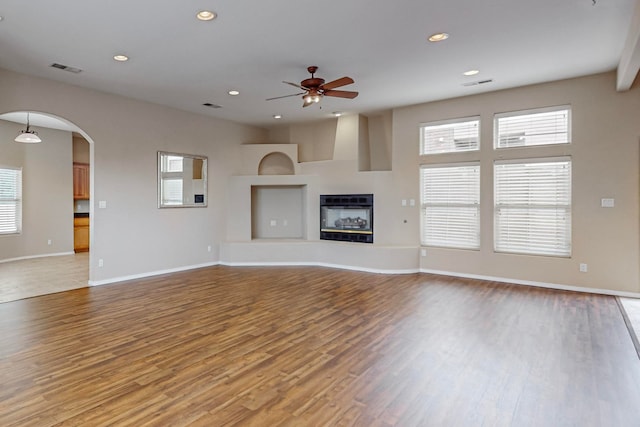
[28, 136]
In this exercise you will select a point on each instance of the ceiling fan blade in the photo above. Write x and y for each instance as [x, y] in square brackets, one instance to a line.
[296, 85]
[341, 93]
[285, 96]
[337, 83]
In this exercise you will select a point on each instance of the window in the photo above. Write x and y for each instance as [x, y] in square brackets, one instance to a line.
[10, 200]
[533, 206]
[533, 127]
[451, 205]
[450, 136]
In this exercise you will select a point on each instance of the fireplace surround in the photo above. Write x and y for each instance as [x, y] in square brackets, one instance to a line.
[347, 217]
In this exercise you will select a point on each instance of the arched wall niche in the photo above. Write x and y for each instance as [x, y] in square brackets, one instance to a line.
[276, 163]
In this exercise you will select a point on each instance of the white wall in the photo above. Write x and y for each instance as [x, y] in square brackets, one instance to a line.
[47, 192]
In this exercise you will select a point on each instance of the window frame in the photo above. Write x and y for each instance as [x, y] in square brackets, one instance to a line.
[476, 206]
[17, 201]
[528, 112]
[498, 245]
[448, 122]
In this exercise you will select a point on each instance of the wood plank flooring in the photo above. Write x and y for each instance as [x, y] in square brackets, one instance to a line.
[301, 346]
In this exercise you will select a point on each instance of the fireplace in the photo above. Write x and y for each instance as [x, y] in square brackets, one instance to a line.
[347, 217]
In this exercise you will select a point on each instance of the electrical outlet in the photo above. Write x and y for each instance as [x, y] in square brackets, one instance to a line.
[100, 263]
[49, 242]
[273, 223]
[209, 248]
[583, 268]
[423, 252]
[404, 202]
[412, 202]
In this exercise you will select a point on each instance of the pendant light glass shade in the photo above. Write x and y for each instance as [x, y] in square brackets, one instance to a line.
[28, 136]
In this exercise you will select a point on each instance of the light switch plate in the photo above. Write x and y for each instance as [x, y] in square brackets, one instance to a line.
[102, 204]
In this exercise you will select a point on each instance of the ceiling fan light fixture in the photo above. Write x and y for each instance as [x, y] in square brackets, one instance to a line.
[311, 98]
[28, 136]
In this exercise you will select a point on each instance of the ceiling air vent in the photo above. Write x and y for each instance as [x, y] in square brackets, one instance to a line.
[210, 105]
[480, 82]
[66, 68]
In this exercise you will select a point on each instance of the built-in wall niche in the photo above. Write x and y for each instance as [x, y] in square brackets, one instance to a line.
[276, 164]
[278, 211]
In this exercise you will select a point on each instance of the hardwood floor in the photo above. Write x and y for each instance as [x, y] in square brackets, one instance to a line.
[300, 346]
[40, 276]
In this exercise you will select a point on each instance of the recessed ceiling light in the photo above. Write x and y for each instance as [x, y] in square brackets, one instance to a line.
[206, 15]
[277, 116]
[438, 37]
[234, 92]
[471, 72]
[337, 113]
[121, 58]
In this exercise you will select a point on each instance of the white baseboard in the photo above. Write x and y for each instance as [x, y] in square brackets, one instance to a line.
[371, 270]
[36, 256]
[317, 264]
[149, 274]
[532, 283]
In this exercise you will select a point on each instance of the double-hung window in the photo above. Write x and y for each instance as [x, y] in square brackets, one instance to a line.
[533, 206]
[450, 204]
[10, 200]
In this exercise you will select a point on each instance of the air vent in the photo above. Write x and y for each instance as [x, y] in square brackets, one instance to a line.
[481, 82]
[66, 68]
[210, 105]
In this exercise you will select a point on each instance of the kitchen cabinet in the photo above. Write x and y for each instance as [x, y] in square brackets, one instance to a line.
[80, 181]
[81, 234]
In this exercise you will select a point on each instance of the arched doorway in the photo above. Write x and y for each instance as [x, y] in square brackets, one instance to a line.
[39, 257]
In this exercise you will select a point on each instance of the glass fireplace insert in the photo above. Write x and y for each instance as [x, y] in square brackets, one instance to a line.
[347, 217]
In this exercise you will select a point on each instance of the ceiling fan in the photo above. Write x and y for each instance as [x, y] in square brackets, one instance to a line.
[315, 88]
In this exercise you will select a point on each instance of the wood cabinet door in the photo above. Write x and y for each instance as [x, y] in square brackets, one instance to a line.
[80, 181]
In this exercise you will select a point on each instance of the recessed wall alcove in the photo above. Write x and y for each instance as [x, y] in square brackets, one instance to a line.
[276, 164]
[278, 211]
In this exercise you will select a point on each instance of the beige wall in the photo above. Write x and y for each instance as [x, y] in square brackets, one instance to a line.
[47, 196]
[604, 150]
[131, 235]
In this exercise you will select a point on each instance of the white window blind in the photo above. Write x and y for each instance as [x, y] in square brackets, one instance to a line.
[450, 137]
[533, 127]
[172, 191]
[451, 206]
[10, 201]
[533, 206]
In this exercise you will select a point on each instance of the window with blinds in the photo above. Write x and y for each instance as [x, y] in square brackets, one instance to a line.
[450, 202]
[533, 127]
[172, 190]
[533, 206]
[450, 137]
[10, 201]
